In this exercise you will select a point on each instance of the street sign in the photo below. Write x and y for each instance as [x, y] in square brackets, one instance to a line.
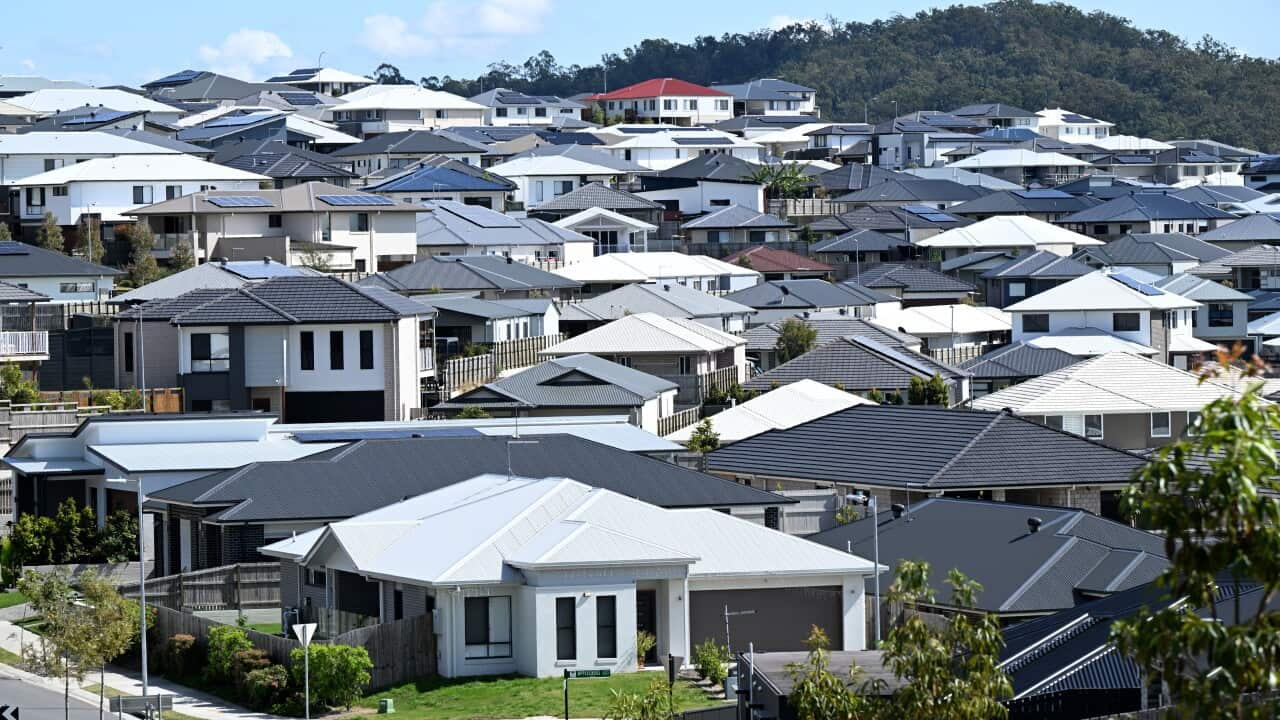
[304, 631]
[138, 705]
[572, 674]
[8, 712]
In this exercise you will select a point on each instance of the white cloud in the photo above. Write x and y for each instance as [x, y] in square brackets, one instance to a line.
[777, 22]
[241, 53]
[28, 64]
[453, 26]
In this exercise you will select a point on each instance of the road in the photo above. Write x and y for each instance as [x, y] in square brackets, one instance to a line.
[38, 703]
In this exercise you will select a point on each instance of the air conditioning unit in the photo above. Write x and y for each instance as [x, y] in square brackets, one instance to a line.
[289, 617]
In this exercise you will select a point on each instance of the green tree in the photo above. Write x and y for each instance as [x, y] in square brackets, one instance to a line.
[951, 673]
[65, 636]
[119, 540]
[5, 233]
[49, 235]
[89, 239]
[928, 392]
[1212, 495]
[14, 387]
[388, 74]
[795, 338]
[818, 693]
[704, 438]
[75, 532]
[142, 267]
[338, 673]
[114, 624]
[473, 412]
[917, 391]
[781, 180]
[33, 540]
[875, 396]
[221, 647]
[181, 256]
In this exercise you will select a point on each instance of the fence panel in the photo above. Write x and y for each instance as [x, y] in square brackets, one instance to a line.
[464, 373]
[240, 587]
[401, 651]
[678, 421]
[523, 352]
[169, 622]
[959, 354]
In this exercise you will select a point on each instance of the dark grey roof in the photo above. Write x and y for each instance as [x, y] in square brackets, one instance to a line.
[323, 489]
[858, 364]
[973, 258]
[473, 272]
[1147, 206]
[712, 166]
[1256, 256]
[763, 89]
[227, 152]
[1009, 202]
[413, 142]
[1020, 571]
[856, 176]
[737, 216]
[1039, 264]
[204, 85]
[1147, 248]
[1260, 227]
[888, 219]
[437, 173]
[742, 123]
[597, 194]
[452, 223]
[992, 110]
[474, 306]
[910, 279]
[1018, 360]
[859, 241]
[913, 189]
[1217, 194]
[926, 449]
[20, 260]
[765, 337]
[572, 381]
[278, 160]
[808, 294]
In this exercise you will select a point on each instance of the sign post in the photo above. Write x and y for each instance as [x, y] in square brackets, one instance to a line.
[304, 631]
[579, 674]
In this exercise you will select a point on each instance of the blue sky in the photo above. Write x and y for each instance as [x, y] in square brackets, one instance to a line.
[105, 43]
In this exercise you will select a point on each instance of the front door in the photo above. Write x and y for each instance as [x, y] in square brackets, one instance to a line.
[647, 619]
[184, 543]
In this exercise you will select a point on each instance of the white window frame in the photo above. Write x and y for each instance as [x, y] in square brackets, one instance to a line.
[1168, 424]
[1102, 426]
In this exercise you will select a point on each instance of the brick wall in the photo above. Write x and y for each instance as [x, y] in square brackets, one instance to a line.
[240, 543]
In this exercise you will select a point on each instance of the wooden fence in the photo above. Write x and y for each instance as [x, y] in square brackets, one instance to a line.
[402, 650]
[523, 352]
[464, 373]
[158, 400]
[170, 622]
[680, 420]
[793, 208]
[229, 587]
[960, 354]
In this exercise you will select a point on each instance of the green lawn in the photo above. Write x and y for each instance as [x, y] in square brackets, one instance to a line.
[111, 692]
[31, 624]
[9, 599]
[268, 628]
[9, 658]
[516, 697]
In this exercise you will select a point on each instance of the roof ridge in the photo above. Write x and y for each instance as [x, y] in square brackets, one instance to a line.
[968, 446]
[246, 290]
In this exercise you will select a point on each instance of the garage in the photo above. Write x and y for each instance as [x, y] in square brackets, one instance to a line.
[779, 618]
[315, 407]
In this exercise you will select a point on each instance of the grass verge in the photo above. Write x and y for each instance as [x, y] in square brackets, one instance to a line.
[9, 599]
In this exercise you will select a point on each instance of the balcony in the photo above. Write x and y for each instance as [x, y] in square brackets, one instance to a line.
[426, 360]
[24, 346]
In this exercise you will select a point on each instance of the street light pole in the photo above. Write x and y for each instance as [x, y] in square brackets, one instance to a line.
[142, 597]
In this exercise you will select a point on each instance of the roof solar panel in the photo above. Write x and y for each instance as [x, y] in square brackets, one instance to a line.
[98, 116]
[343, 200]
[703, 141]
[258, 270]
[235, 120]
[300, 98]
[13, 247]
[483, 217]
[230, 201]
[1132, 284]
[177, 78]
[1074, 118]
[515, 98]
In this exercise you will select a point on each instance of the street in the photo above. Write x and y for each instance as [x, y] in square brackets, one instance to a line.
[38, 703]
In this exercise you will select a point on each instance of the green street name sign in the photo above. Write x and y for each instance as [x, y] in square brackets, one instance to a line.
[571, 674]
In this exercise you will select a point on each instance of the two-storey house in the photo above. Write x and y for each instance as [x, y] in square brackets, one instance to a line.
[668, 100]
[378, 109]
[509, 107]
[770, 96]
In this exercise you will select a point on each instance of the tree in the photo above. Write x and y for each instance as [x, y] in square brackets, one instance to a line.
[66, 633]
[181, 256]
[704, 438]
[115, 626]
[89, 239]
[781, 180]
[473, 412]
[142, 267]
[317, 260]
[876, 396]
[1212, 495]
[75, 532]
[928, 392]
[49, 235]
[5, 233]
[818, 693]
[388, 74]
[14, 387]
[119, 540]
[952, 673]
[795, 338]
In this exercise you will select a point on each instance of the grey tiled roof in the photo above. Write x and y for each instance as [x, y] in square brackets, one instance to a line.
[1039, 264]
[597, 194]
[859, 241]
[1018, 360]
[992, 110]
[473, 272]
[1147, 248]
[1256, 256]
[571, 381]
[1200, 289]
[20, 260]
[1214, 194]
[736, 216]
[927, 449]
[858, 364]
[1017, 201]
[910, 279]
[1259, 227]
[806, 295]
[973, 258]
[1144, 207]
[668, 299]
[416, 142]
[765, 337]
[888, 219]
[712, 166]
[913, 189]
[856, 176]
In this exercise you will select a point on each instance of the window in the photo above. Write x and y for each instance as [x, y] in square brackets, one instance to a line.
[1221, 315]
[358, 222]
[1160, 424]
[210, 352]
[488, 626]
[622, 360]
[669, 104]
[722, 105]
[1035, 323]
[607, 626]
[128, 352]
[540, 112]
[771, 518]
[1193, 422]
[1099, 229]
[50, 164]
[1017, 289]
[716, 236]
[1053, 421]
[566, 628]
[1093, 427]
[563, 187]
[60, 191]
[335, 350]
[522, 111]
[1125, 322]
[500, 112]
[307, 349]
[690, 104]
[442, 114]
[172, 191]
[142, 195]
[366, 349]
[76, 287]
[686, 365]
[35, 197]
[719, 202]
[314, 578]
[275, 220]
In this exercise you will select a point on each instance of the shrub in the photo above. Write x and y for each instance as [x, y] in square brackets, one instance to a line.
[245, 662]
[180, 655]
[645, 641]
[33, 542]
[119, 539]
[266, 687]
[473, 412]
[712, 660]
[338, 673]
[223, 644]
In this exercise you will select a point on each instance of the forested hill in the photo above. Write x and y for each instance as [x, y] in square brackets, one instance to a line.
[1149, 82]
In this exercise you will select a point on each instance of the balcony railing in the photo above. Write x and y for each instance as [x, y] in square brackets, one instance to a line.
[24, 344]
[426, 359]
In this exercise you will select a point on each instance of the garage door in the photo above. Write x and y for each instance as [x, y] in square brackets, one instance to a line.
[780, 621]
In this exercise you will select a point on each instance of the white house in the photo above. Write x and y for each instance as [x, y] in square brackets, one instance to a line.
[1024, 167]
[661, 148]
[610, 231]
[1072, 127]
[547, 172]
[1007, 233]
[770, 96]
[50, 101]
[27, 154]
[606, 272]
[329, 81]
[947, 326]
[705, 184]
[666, 100]
[539, 576]
[507, 108]
[58, 277]
[779, 409]
[453, 228]
[380, 109]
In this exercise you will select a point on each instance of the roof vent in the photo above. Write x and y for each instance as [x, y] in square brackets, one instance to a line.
[1033, 524]
[509, 260]
[266, 259]
[666, 287]
[222, 260]
[844, 311]
[897, 509]
[785, 290]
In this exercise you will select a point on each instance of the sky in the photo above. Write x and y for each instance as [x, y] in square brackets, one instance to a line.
[110, 43]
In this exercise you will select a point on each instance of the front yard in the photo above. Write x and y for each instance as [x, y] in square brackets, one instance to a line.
[517, 697]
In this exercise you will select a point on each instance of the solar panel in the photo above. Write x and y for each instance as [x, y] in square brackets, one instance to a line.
[230, 201]
[1041, 194]
[514, 98]
[1132, 284]
[703, 141]
[99, 116]
[13, 247]
[258, 270]
[355, 200]
[483, 217]
[308, 436]
[177, 78]
[235, 120]
[1074, 118]
[300, 98]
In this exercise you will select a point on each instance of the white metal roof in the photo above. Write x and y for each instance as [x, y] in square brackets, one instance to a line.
[640, 267]
[598, 212]
[686, 139]
[90, 142]
[647, 333]
[156, 168]
[56, 100]
[179, 456]
[326, 75]
[1112, 383]
[1100, 291]
[1017, 157]
[799, 133]
[552, 165]
[778, 409]
[1089, 341]
[400, 97]
[1129, 142]
[321, 132]
[1053, 117]
[1002, 231]
[935, 320]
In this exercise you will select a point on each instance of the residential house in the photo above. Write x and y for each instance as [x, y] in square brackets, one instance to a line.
[454, 228]
[52, 275]
[491, 276]
[854, 176]
[603, 273]
[1122, 400]
[762, 340]
[912, 223]
[219, 274]
[284, 164]
[920, 139]
[203, 87]
[1030, 560]
[770, 96]
[1232, 198]
[617, 220]
[298, 224]
[692, 354]
[1158, 253]
[1070, 126]
[83, 119]
[1016, 234]
[849, 252]
[850, 142]
[509, 107]
[1254, 268]
[403, 149]
[48, 101]
[1117, 306]
[573, 385]
[1013, 363]
[27, 347]
[329, 81]
[778, 300]
[668, 299]
[933, 194]
[547, 172]
[964, 177]
[255, 347]
[664, 147]
[750, 126]
[536, 624]
[778, 409]
[861, 365]
[1130, 144]
[29, 154]
[1025, 167]
[864, 449]
[704, 184]
[14, 119]
[462, 320]
[441, 177]
[792, 144]
[666, 100]
[914, 285]
[1263, 174]
[779, 264]
[999, 115]
[379, 109]
[1146, 212]
[12, 86]
[1024, 276]
[235, 125]
[733, 226]
[1223, 317]
[1048, 205]
[1250, 230]
[962, 328]
[609, 230]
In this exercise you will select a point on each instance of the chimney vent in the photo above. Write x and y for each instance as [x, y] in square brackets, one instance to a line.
[1033, 524]
[898, 509]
